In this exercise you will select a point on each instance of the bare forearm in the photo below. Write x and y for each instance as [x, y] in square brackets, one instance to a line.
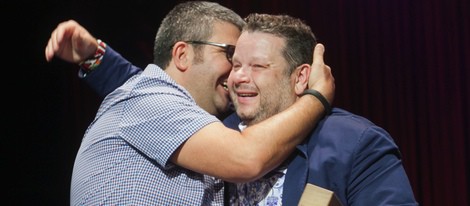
[273, 140]
[240, 157]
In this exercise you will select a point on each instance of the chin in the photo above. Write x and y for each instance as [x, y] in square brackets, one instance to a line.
[245, 115]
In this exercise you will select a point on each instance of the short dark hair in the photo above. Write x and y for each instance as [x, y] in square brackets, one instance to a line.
[299, 38]
[192, 20]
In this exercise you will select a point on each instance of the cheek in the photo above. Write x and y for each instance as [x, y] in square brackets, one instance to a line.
[265, 80]
[272, 84]
[215, 71]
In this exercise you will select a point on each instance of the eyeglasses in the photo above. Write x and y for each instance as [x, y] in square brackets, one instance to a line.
[228, 49]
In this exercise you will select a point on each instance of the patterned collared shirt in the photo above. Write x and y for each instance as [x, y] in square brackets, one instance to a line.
[124, 158]
[266, 191]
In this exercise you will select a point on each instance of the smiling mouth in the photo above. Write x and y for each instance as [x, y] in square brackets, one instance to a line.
[246, 95]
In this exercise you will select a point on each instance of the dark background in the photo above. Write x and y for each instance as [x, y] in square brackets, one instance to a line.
[402, 64]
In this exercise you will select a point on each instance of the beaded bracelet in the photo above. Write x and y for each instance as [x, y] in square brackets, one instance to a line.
[94, 61]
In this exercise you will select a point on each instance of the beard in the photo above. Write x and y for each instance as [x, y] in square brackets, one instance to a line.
[271, 101]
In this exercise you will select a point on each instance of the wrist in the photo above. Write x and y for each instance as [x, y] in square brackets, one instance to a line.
[320, 97]
[94, 61]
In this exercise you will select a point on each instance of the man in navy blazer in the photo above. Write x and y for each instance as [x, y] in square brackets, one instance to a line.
[345, 153]
[350, 156]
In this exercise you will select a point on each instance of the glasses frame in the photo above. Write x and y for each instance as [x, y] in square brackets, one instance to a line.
[228, 48]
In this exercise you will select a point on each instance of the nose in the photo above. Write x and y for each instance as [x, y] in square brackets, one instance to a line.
[240, 75]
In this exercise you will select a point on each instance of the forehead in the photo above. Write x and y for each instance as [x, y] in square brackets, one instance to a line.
[225, 33]
[260, 45]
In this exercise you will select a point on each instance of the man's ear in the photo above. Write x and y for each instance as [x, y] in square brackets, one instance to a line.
[301, 80]
[181, 55]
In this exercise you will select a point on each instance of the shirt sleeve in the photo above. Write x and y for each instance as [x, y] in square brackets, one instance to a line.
[113, 71]
[157, 128]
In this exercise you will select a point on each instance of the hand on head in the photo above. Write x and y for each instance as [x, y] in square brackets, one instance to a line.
[71, 42]
[321, 78]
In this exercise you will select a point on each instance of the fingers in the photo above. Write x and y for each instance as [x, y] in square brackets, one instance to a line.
[57, 36]
[318, 63]
[48, 51]
[318, 54]
[53, 43]
[321, 78]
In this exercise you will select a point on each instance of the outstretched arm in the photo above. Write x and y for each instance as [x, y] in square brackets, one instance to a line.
[71, 42]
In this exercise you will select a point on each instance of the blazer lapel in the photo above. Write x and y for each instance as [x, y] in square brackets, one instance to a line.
[296, 177]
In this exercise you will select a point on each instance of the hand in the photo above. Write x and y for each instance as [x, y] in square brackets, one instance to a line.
[71, 42]
[321, 78]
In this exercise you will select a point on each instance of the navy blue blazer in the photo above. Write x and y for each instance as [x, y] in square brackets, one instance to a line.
[350, 156]
[113, 72]
[346, 153]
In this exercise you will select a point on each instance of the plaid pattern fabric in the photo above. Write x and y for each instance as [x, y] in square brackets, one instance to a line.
[124, 155]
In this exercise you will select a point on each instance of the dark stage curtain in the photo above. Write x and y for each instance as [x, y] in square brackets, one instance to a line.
[404, 65]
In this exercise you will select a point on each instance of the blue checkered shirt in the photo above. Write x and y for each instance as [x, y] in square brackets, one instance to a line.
[124, 158]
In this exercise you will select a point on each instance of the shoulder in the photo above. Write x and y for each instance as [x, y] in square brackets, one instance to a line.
[347, 123]
[153, 94]
[346, 120]
[347, 130]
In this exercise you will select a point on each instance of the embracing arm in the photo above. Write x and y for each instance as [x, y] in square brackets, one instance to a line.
[214, 150]
[73, 43]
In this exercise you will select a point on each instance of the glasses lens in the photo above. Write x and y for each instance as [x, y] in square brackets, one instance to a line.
[229, 50]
